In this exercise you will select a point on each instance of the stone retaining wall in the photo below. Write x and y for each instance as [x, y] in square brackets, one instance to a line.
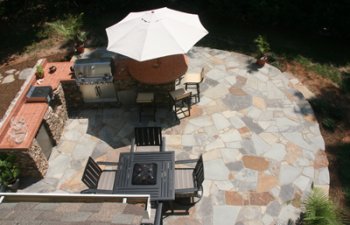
[72, 95]
[56, 115]
[32, 162]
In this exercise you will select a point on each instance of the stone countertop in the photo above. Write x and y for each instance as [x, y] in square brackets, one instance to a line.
[62, 73]
[33, 113]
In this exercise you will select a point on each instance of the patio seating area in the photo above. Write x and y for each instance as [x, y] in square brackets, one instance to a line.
[260, 142]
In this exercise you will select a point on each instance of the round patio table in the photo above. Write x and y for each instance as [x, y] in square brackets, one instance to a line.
[158, 71]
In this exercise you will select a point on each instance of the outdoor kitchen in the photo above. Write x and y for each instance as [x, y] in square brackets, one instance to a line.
[98, 78]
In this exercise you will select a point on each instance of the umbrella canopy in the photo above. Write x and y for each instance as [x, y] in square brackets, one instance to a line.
[155, 33]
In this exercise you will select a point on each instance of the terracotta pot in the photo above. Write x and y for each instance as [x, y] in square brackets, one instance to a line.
[14, 186]
[261, 61]
[79, 48]
[39, 76]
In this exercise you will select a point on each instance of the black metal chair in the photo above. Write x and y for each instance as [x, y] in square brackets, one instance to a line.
[98, 180]
[188, 181]
[148, 139]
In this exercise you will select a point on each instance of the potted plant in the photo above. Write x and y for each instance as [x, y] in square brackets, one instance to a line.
[70, 29]
[39, 72]
[9, 172]
[80, 38]
[263, 47]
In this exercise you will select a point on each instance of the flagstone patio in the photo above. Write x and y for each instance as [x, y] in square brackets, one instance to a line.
[260, 141]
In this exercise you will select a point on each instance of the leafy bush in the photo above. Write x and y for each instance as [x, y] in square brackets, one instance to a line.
[329, 124]
[262, 45]
[320, 210]
[39, 72]
[8, 169]
[68, 28]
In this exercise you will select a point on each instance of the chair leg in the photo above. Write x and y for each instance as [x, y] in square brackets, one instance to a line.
[198, 93]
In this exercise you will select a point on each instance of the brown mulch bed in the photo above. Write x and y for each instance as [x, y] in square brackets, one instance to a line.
[329, 92]
[8, 91]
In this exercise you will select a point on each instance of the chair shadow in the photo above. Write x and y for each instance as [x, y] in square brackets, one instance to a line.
[178, 207]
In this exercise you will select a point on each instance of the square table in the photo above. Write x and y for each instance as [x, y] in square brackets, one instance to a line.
[146, 173]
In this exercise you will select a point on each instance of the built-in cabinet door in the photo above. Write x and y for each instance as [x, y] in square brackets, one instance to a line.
[89, 92]
[107, 91]
[45, 140]
[98, 92]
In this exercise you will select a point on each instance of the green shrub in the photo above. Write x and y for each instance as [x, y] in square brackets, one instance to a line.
[68, 28]
[329, 123]
[39, 72]
[262, 45]
[8, 169]
[320, 210]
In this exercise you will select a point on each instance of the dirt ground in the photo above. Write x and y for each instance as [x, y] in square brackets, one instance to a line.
[19, 62]
[329, 92]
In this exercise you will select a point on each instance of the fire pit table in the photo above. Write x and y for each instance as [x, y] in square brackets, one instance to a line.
[146, 173]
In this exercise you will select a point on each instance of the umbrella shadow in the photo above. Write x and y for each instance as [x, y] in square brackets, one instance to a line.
[115, 125]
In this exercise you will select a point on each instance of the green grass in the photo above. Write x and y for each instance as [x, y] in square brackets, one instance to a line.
[328, 71]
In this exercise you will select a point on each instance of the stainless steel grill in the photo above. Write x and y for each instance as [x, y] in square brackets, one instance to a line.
[94, 77]
[93, 71]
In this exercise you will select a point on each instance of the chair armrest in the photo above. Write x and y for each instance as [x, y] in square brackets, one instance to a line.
[108, 163]
[96, 191]
[132, 148]
[184, 161]
[162, 147]
[186, 191]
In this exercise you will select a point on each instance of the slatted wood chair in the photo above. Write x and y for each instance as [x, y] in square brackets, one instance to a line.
[98, 180]
[181, 101]
[192, 80]
[148, 139]
[188, 181]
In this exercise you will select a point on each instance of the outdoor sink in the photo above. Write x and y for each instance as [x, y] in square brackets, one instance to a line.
[39, 94]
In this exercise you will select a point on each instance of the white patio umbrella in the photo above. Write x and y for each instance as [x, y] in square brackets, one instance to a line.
[155, 33]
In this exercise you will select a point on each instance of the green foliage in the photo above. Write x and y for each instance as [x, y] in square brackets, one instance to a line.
[8, 169]
[329, 123]
[81, 36]
[262, 45]
[320, 210]
[326, 70]
[39, 72]
[69, 28]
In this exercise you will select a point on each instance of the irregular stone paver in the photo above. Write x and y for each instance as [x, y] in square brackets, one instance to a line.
[11, 71]
[255, 163]
[24, 74]
[8, 79]
[261, 145]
